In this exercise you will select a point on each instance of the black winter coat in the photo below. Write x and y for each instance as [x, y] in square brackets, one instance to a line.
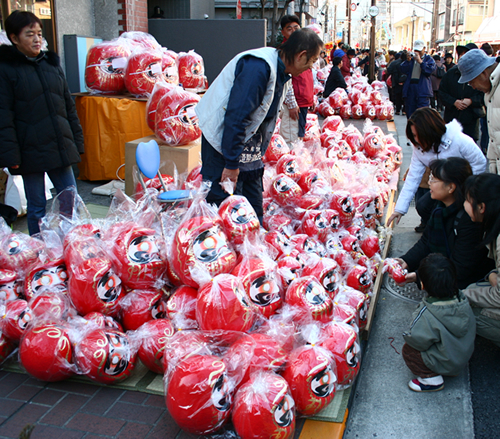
[39, 127]
[335, 80]
[449, 91]
[463, 235]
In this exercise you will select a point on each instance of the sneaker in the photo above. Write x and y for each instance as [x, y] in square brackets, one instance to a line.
[420, 228]
[418, 386]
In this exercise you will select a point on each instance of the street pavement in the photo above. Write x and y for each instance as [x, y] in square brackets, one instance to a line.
[382, 406]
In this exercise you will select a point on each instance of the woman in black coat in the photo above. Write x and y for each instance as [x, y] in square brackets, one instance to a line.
[335, 78]
[39, 128]
[450, 231]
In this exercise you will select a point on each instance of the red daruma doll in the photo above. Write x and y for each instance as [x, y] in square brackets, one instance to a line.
[192, 71]
[264, 408]
[176, 120]
[105, 69]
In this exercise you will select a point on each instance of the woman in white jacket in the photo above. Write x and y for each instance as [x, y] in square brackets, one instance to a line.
[432, 140]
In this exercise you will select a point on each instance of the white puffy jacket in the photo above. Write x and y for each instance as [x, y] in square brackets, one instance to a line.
[492, 101]
[454, 143]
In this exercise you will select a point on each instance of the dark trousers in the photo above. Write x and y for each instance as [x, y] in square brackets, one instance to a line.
[302, 121]
[424, 204]
[485, 137]
[213, 164]
[397, 96]
[413, 103]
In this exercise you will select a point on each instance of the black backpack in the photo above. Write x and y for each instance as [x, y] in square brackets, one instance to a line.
[440, 72]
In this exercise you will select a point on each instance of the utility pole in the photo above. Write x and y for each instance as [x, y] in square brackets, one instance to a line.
[373, 14]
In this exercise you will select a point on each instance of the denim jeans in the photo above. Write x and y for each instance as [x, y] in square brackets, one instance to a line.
[34, 187]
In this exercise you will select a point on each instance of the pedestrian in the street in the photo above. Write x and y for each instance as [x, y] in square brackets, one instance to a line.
[448, 61]
[335, 78]
[441, 337]
[450, 231]
[237, 115]
[461, 101]
[482, 72]
[436, 77]
[417, 89]
[300, 96]
[394, 70]
[346, 62]
[432, 139]
[482, 203]
[39, 127]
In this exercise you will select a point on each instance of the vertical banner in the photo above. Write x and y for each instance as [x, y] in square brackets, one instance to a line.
[238, 9]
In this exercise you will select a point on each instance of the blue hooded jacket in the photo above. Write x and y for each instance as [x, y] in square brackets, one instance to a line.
[424, 88]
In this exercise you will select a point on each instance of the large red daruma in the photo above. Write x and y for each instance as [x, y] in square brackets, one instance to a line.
[327, 272]
[198, 394]
[290, 165]
[341, 341]
[17, 316]
[264, 408]
[238, 218]
[176, 121]
[95, 286]
[156, 336]
[140, 306]
[223, 304]
[309, 295]
[284, 190]
[159, 90]
[276, 149]
[201, 241]
[140, 260]
[105, 356]
[311, 375]
[18, 252]
[105, 68]
[192, 71]
[260, 284]
[45, 352]
[346, 111]
[144, 70]
[51, 276]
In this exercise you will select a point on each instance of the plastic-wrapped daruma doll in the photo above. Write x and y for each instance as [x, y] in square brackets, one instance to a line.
[10, 287]
[45, 352]
[192, 71]
[106, 62]
[201, 241]
[105, 356]
[176, 121]
[264, 408]
[50, 276]
[138, 251]
[238, 218]
[144, 69]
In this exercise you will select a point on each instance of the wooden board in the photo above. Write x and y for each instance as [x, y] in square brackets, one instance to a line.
[380, 275]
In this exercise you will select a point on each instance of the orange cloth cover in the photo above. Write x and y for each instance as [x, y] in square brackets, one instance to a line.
[108, 123]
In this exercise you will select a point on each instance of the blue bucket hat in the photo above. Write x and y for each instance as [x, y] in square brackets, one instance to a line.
[472, 64]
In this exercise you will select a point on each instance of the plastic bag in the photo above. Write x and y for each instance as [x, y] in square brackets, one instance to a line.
[192, 71]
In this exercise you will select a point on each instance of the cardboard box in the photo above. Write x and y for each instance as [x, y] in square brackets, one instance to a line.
[185, 158]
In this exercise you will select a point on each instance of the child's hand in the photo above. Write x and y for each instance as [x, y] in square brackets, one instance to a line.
[411, 277]
[402, 263]
[493, 279]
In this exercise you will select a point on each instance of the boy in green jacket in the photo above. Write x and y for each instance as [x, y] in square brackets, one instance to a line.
[441, 337]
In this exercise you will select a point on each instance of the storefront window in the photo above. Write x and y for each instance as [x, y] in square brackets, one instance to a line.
[43, 9]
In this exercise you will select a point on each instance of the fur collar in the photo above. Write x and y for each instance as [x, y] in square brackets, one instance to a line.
[10, 55]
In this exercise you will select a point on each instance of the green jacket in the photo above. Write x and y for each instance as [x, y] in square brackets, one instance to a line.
[444, 332]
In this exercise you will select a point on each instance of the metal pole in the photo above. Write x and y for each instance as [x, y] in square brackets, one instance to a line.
[371, 75]
[349, 26]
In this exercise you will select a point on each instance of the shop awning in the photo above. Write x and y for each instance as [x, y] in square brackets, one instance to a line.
[488, 31]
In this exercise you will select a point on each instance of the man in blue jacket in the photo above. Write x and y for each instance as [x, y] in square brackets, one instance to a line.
[417, 89]
[237, 115]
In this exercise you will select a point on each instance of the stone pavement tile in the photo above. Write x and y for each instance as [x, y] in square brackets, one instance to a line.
[48, 397]
[101, 402]
[95, 436]
[74, 387]
[133, 397]
[8, 406]
[95, 424]
[165, 428]
[25, 393]
[49, 432]
[65, 409]
[133, 430]
[132, 412]
[11, 382]
[28, 414]
[155, 401]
